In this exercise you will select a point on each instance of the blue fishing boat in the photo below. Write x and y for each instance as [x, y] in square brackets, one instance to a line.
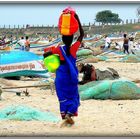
[35, 46]
[21, 63]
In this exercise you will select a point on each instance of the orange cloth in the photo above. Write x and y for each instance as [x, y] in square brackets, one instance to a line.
[27, 43]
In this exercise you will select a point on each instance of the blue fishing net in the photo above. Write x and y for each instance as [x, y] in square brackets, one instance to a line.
[25, 113]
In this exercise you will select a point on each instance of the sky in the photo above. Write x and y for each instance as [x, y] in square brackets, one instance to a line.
[48, 14]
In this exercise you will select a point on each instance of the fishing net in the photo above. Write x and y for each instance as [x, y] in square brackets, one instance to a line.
[109, 89]
[137, 53]
[84, 52]
[99, 43]
[102, 58]
[25, 113]
[131, 58]
[90, 59]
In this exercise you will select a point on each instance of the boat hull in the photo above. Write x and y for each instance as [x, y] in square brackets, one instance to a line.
[19, 63]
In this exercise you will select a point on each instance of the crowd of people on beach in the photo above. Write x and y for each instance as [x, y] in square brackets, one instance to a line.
[128, 46]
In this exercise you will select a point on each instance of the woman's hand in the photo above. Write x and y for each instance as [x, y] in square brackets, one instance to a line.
[47, 54]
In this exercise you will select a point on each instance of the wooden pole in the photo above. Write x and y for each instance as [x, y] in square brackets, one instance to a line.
[12, 87]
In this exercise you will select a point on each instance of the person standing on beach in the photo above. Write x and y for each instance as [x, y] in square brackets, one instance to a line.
[27, 43]
[21, 42]
[131, 43]
[107, 42]
[126, 44]
[66, 81]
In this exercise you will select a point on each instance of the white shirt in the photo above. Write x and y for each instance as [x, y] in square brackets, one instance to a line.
[107, 41]
[21, 42]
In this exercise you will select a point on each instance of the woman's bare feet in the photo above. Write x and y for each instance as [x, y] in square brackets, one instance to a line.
[64, 124]
[68, 121]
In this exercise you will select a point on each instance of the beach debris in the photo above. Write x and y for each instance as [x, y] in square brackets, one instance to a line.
[18, 93]
[26, 92]
[26, 113]
[49, 82]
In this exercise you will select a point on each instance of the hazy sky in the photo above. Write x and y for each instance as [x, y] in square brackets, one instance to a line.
[48, 14]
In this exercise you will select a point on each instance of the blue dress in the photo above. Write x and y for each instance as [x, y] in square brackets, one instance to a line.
[66, 84]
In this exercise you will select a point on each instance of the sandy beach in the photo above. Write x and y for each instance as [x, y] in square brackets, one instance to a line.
[41, 38]
[96, 117]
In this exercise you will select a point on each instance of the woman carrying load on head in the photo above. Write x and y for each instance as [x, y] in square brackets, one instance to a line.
[66, 81]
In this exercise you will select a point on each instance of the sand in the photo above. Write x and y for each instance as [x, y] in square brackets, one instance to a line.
[96, 117]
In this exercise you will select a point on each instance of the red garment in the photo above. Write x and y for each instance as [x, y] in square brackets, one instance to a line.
[73, 50]
[27, 43]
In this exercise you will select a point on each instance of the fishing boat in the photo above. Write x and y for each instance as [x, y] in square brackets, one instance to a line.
[21, 63]
[15, 46]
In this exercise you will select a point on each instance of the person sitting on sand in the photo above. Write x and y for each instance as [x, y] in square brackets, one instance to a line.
[89, 73]
[66, 81]
[92, 74]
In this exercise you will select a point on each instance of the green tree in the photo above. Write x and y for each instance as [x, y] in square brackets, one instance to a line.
[107, 16]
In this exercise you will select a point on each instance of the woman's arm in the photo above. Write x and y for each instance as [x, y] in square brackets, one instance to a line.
[47, 54]
[75, 46]
[80, 38]
[51, 50]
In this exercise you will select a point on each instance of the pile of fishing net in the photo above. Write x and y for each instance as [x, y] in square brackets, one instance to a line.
[137, 52]
[99, 43]
[109, 89]
[25, 113]
[84, 53]
[131, 58]
[86, 56]
[96, 51]
[102, 58]
[90, 59]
